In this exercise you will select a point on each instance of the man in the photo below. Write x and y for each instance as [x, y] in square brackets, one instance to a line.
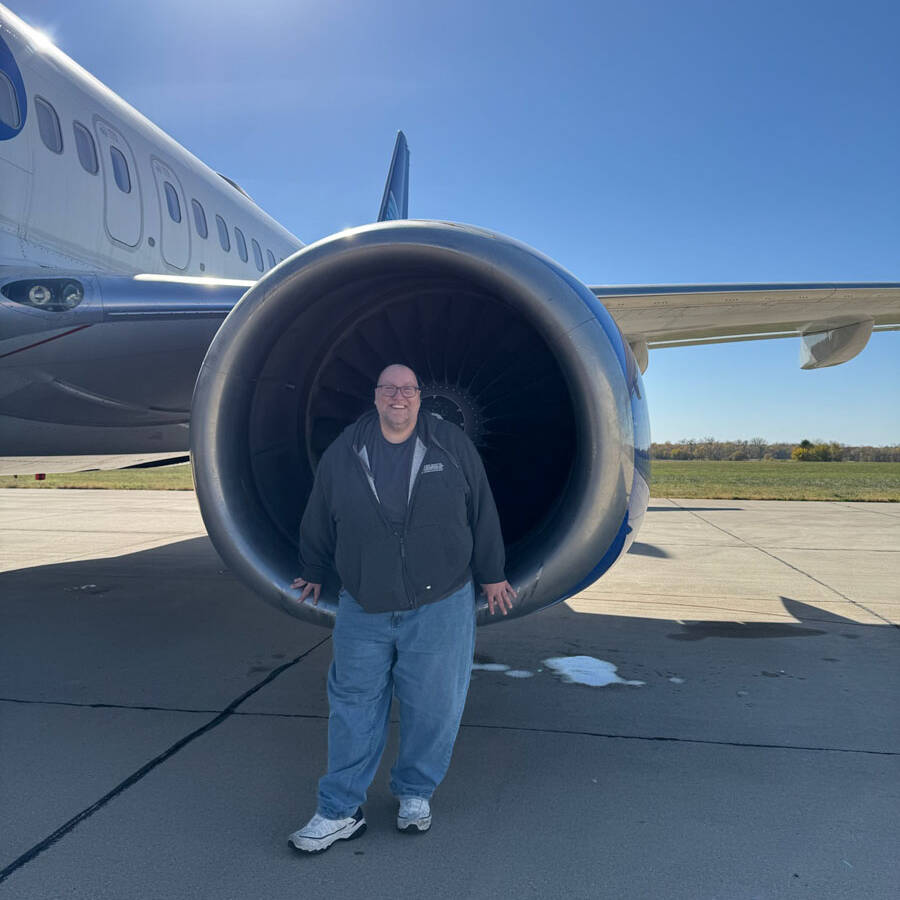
[402, 509]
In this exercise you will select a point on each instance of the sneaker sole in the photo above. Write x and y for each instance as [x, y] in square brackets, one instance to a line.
[323, 844]
[414, 826]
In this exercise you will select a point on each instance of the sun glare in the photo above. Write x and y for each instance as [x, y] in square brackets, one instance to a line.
[41, 41]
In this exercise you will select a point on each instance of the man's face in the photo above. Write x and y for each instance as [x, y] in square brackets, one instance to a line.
[397, 413]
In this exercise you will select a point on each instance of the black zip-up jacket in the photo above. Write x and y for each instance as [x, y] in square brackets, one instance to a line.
[451, 531]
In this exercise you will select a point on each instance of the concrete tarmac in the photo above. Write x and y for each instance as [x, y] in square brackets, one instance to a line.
[162, 730]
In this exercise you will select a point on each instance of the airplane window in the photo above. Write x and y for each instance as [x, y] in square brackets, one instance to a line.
[224, 240]
[10, 114]
[87, 150]
[257, 254]
[271, 257]
[199, 219]
[172, 201]
[48, 124]
[241, 243]
[120, 170]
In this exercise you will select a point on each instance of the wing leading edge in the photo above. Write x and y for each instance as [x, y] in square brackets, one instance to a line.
[834, 321]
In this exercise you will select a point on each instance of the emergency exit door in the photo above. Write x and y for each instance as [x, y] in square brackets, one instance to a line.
[122, 213]
[174, 233]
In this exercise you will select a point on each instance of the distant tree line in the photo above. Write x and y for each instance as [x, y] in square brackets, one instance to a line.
[761, 449]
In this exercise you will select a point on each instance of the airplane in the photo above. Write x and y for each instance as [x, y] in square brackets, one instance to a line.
[147, 304]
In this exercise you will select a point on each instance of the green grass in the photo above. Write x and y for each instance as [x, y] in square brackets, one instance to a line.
[775, 480]
[159, 478]
[694, 479]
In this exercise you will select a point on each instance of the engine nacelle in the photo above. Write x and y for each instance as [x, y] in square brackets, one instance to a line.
[505, 343]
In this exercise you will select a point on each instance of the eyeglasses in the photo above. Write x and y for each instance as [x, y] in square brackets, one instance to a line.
[390, 390]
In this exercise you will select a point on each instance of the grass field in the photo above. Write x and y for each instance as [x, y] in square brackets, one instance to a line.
[694, 479]
[782, 480]
[159, 478]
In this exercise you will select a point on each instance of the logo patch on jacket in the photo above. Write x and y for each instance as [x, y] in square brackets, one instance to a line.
[432, 467]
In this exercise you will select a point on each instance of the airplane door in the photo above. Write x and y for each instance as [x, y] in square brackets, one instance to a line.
[121, 188]
[174, 233]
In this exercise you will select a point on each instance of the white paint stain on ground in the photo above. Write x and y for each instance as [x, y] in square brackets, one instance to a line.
[586, 670]
[500, 667]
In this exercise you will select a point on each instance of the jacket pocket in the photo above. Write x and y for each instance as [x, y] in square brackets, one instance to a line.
[381, 576]
[436, 556]
[457, 549]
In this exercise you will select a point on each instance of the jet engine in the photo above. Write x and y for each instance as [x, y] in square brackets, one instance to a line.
[505, 343]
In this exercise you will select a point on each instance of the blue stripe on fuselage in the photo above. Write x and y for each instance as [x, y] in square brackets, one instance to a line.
[10, 69]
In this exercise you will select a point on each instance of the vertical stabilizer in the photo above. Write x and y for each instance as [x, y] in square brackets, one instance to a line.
[395, 202]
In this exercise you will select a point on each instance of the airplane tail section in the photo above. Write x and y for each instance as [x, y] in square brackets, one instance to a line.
[395, 202]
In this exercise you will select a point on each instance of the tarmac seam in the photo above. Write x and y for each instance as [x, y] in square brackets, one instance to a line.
[675, 740]
[796, 569]
[77, 705]
[562, 731]
[877, 512]
[148, 767]
[788, 619]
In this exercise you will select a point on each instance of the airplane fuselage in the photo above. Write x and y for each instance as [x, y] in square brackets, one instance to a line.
[93, 195]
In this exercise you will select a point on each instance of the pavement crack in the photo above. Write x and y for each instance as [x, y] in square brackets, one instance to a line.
[77, 705]
[784, 562]
[467, 725]
[678, 740]
[610, 735]
[876, 512]
[35, 851]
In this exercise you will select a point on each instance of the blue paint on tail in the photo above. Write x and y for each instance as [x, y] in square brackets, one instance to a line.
[395, 202]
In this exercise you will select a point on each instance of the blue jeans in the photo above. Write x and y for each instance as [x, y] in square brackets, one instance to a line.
[422, 655]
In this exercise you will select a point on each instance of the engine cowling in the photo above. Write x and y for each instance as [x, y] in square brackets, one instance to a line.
[505, 342]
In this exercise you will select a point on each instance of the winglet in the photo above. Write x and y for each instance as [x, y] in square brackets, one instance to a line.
[395, 202]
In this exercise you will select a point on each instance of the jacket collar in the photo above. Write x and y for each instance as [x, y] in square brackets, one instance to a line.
[366, 424]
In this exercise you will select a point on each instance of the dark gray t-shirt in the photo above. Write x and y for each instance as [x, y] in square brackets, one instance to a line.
[391, 465]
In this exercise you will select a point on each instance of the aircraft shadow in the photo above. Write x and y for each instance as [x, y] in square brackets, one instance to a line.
[60, 619]
[641, 549]
[170, 631]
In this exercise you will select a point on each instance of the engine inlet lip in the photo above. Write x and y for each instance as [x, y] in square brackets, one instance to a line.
[568, 316]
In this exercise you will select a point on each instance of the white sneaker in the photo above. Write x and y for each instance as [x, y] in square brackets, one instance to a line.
[414, 815]
[319, 833]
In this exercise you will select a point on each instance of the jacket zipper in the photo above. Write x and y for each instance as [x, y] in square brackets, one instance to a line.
[369, 490]
[410, 598]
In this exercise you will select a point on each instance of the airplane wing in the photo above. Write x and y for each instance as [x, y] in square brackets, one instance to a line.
[834, 321]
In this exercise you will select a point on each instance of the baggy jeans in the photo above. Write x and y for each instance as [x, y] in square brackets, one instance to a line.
[424, 657]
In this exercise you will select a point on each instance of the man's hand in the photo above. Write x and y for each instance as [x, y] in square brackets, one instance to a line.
[499, 596]
[308, 587]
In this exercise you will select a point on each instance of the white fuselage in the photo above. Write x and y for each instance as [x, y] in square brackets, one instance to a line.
[160, 246]
[56, 212]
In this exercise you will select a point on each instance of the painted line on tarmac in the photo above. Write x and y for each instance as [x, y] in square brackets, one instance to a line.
[135, 777]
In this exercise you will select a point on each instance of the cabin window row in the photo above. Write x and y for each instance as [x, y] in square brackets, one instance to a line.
[51, 135]
[240, 241]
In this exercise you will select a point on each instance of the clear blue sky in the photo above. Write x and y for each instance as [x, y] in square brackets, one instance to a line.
[634, 142]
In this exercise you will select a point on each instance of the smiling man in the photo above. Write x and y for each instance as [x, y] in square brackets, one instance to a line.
[401, 508]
